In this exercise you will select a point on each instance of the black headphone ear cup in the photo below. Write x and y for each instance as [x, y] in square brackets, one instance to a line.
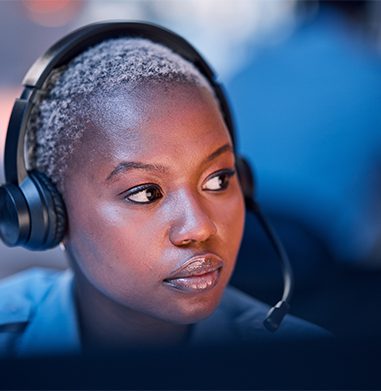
[55, 208]
[246, 177]
[14, 216]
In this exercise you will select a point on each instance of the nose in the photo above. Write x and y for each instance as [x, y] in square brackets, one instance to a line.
[193, 223]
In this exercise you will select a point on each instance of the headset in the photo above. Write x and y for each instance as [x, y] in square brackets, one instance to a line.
[32, 212]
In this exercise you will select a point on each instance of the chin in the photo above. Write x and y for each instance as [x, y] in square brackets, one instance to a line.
[195, 311]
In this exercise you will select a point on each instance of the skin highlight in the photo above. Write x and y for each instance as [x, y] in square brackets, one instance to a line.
[122, 249]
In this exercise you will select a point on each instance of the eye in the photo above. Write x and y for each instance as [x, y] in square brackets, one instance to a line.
[218, 181]
[143, 194]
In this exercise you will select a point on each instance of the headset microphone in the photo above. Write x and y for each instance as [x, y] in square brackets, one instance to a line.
[276, 314]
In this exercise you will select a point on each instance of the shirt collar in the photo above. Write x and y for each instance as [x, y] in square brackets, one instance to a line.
[54, 327]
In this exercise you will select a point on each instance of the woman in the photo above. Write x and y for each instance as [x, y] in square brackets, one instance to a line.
[133, 137]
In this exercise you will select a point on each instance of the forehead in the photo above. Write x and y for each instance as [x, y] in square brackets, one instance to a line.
[153, 117]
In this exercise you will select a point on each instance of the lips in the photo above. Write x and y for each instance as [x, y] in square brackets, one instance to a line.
[198, 274]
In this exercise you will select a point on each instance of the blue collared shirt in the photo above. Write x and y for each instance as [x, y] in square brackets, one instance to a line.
[38, 317]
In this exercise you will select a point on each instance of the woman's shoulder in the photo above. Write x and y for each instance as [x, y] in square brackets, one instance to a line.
[21, 291]
[20, 296]
[31, 282]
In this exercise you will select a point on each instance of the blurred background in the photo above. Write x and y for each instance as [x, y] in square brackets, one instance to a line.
[304, 81]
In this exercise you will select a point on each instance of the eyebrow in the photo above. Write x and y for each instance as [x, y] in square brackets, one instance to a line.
[126, 166]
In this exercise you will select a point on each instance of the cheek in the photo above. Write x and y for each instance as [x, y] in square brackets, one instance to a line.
[112, 244]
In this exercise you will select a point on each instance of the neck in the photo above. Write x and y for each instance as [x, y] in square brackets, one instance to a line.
[105, 323]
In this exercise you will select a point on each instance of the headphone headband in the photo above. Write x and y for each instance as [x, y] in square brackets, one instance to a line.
[69, 47]
[79, 40]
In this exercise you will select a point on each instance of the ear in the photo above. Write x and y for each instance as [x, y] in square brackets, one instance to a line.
[246, 178]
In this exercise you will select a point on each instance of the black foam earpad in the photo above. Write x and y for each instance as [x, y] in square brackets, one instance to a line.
[246, 177]
[33, 214]
[55, 224]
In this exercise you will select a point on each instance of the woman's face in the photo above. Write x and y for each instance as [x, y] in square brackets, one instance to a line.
[155, 209]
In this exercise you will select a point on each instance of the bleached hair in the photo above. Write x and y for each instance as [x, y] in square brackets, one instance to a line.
[56, 121]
